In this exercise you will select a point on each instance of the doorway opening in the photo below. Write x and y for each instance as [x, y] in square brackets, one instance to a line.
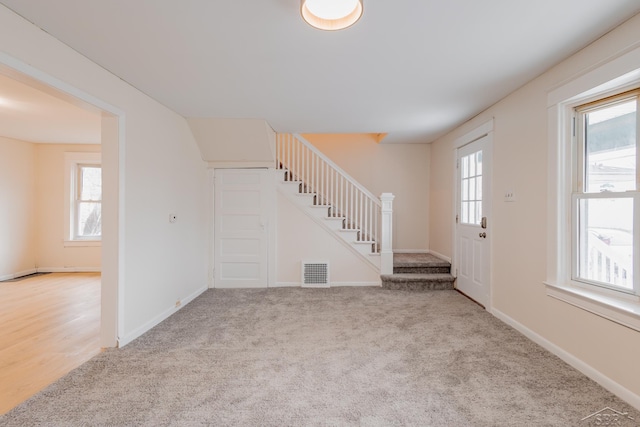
[88, 271]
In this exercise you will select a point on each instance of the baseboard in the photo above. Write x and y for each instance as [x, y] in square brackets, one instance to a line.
[439, 255]
[287, 285]
[411, 251]
[18, 274]
[126, 339]
[333, 284]
[352, 284]
[597, 376]
[69, 270]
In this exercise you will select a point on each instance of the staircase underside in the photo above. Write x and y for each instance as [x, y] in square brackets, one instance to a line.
[418, 271]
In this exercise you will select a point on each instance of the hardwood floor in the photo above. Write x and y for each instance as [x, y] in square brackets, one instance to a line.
[49, 325]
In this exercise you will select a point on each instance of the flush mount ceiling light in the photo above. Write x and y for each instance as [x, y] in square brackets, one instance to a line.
[331, 15]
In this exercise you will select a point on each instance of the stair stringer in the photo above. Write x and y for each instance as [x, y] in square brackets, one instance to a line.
[372, 260]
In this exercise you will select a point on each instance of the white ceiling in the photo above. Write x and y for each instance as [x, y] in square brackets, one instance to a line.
[29, 114]
[412, 68]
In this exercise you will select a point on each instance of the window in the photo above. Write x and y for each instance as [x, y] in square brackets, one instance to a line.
[605, 193]
[471, 189]
[83, 216]
[593, 227]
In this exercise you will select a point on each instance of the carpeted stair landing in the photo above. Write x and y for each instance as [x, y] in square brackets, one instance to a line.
[418, 271]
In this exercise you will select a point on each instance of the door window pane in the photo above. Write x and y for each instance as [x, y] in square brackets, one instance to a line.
[471, 188]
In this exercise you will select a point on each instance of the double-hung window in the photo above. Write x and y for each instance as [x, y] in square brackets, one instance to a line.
[605, 208]
[83, 218]
[593, 183]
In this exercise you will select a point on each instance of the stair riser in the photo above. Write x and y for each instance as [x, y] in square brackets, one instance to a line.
[421, 270]
[418, 286]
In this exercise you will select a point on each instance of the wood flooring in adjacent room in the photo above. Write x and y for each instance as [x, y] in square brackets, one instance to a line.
[49, 325]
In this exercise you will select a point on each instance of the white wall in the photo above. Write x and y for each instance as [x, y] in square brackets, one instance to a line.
[300, 238]
[401, 169]
[161, 172]
[52, 255]
[519, 229]
[17, 208]
[234, 143]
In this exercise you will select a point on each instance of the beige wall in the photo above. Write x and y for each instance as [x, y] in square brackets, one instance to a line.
[17, 208]
[300, 238]
[401, 169]
[50, 217]
[32, 182]
[519, 229]
[234, 142]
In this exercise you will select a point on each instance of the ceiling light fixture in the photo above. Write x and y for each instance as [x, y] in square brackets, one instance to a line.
[331, 15]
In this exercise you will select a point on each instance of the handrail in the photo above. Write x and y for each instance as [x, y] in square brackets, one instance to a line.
[343, 196]
[319, 153]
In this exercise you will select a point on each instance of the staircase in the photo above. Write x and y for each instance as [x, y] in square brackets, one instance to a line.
[336, 201]
[330, 218]
[418, 271]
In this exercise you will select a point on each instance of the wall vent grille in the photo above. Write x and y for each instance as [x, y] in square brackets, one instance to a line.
[315, 274]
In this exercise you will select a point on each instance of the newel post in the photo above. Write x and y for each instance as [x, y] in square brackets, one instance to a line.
[386, 250]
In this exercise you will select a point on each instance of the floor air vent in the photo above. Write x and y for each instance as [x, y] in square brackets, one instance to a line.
[315, 274]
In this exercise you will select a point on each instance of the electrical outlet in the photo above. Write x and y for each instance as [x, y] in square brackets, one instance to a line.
[509, 196]
[173, 218]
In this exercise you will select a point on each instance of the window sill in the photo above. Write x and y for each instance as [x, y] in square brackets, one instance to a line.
[622, 311]
[82, 243]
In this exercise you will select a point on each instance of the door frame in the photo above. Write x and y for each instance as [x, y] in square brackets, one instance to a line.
[484, 130]
[272, 229]
[113, 169]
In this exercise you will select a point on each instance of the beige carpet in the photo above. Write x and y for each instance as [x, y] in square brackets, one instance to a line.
[322, 357]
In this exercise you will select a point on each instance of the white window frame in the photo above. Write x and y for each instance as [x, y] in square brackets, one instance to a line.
[72, 162]
[580, 193]
[617, 75]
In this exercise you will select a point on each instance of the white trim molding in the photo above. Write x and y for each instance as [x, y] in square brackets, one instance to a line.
[18, 274]
[69, 270]
[597, 376]
[476, 133]
[333, 284]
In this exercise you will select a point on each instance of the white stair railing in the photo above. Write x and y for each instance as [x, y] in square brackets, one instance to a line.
[343, 196]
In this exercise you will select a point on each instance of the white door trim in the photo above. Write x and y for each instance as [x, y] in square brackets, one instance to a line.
[486, 129]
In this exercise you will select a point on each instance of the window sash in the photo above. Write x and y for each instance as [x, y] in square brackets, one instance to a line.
[582, 240]
[80, 182]
[580, 147]
[581, 250]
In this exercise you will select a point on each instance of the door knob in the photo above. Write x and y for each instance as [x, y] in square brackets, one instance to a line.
[483, 235]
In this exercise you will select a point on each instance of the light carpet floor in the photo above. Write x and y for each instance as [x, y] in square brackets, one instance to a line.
[322, 357]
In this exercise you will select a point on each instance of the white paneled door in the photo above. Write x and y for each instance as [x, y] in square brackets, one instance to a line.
[242, 206]
[473, 221]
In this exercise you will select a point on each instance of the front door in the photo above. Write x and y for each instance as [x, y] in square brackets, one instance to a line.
[241, 222]
[473, 222]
